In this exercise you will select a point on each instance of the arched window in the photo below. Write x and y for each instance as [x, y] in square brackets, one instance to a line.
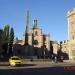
[72, 37]
[35, 42]
[36, 33]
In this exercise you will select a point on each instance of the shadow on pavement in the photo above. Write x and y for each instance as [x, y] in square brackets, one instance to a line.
[37, 71]
[25, 65]
[22, 65]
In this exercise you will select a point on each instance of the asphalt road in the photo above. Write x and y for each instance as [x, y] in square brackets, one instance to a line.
[38, 69]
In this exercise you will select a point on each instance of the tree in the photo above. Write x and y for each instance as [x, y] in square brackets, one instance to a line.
[11, 39]
[1, 41]
[4, 35]
[5, 39]
[7, 32]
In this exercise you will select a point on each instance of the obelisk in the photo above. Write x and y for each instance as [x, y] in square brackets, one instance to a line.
[26, 32]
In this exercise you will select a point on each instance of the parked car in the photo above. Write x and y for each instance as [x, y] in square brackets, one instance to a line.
[14, 60]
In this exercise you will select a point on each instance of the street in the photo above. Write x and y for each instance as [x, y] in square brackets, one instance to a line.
[37, 71]
[42, 68]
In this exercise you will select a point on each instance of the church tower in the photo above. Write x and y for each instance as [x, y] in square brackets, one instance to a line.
[37, 35]
[26, 32]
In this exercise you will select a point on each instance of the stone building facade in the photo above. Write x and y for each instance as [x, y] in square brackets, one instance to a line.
[54, 47]
[36, 38]
[71, 33]
[64, 46]
[69, 46]
[38, 43]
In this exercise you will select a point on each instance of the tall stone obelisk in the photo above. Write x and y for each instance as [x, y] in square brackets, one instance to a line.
[26, 32]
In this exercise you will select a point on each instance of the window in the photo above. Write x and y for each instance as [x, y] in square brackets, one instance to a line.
[73, 52]
[44, 37]
[72, 37]
[72, 24]
[15, 59]
[35, 32]
[35, 42]
[65, 46]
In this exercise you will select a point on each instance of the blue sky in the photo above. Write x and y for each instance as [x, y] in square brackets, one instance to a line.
[51, 16]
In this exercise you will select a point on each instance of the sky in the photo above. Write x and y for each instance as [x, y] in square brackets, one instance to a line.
[51, 16]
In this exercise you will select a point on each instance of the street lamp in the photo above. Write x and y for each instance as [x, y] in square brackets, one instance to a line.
[44, 53]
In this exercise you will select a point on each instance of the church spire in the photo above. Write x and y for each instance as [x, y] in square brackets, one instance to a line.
[35, 24]
[26, 32]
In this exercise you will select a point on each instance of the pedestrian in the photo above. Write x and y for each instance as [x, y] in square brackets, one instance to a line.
[55, 59]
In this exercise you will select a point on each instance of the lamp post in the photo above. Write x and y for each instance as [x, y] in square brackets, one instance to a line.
[44, 53]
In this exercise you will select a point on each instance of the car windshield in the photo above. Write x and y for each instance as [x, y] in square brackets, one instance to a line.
[15, 59]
